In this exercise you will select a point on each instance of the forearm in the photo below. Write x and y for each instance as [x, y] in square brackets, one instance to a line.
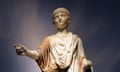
[85, 64]
[81, 64]
[33, 54]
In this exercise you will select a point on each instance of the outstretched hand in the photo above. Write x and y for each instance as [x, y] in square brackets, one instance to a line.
[20, 49]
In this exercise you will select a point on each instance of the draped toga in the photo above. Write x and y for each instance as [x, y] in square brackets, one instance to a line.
[60, 54]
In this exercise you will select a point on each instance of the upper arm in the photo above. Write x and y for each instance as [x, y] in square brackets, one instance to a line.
[44, 46]
[45, 43]
[81, 52]
[43, 52]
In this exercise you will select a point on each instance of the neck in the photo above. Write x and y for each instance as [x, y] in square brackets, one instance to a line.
[62, 32]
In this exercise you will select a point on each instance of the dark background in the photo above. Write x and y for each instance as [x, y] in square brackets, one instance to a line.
[27, 22]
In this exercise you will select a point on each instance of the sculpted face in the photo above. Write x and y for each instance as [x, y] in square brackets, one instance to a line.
[61, 20]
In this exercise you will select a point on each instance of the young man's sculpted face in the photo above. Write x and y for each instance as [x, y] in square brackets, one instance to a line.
[61, 18]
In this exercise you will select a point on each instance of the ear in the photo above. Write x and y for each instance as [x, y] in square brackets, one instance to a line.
[69, 20]
[53, 22]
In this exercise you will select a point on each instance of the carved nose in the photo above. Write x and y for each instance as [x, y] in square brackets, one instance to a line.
[60, 20]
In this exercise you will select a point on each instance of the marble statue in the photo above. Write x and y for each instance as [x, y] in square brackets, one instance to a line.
[60, 52]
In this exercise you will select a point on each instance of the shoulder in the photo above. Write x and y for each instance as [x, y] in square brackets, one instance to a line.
[48, 38]
[76, 36]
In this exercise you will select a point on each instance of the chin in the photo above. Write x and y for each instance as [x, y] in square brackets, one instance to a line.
[61, 27]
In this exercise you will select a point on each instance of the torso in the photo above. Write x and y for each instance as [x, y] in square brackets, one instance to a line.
[62, 50]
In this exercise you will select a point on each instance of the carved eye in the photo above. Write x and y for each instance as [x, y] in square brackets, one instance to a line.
[56, 16]
[62, 15]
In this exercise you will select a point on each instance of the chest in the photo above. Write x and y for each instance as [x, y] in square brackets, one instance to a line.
[62, 46]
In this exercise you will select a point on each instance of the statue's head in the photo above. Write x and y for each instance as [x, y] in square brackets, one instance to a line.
[61, 18]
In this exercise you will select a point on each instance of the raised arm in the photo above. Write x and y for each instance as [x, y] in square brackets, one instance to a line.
[23, 51]
[34, 54]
